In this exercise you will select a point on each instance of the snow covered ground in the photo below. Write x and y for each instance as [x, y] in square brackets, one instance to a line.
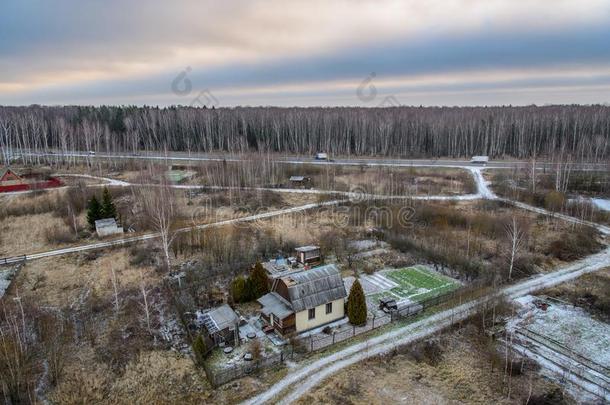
[6, 276]
[571, 347]
[301, 379]
[601, 203]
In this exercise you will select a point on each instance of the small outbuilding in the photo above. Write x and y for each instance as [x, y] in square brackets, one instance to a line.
[221, 324]
[107, 226]
[300, 181]
[308, 254]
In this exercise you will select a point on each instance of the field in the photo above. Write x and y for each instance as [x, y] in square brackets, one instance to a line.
[416, 284]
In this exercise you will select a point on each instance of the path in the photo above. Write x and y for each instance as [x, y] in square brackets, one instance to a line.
[124, 241]
[301, 380]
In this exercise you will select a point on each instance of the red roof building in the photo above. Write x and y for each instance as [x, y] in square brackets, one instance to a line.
[11, 181]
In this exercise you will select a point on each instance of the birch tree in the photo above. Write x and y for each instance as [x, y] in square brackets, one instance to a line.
[515, 237]
[159, 207]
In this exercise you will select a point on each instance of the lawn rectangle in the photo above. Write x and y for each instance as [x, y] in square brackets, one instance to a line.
[417, 284]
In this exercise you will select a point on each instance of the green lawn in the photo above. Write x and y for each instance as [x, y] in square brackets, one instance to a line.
[417, 284]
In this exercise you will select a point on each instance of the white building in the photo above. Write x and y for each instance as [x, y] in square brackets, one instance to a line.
[107, 226]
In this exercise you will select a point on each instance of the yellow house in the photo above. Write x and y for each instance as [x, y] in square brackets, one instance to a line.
[305, 300]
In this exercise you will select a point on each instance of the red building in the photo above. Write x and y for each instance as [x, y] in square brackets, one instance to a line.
[11, 181]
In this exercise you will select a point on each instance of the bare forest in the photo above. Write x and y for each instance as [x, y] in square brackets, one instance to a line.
[561, 133]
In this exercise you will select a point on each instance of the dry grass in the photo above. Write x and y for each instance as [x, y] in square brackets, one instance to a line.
[61, 281]
[28, 233]
[159, 377]
[460, 375]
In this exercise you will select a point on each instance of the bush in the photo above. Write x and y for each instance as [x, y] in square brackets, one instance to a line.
[57, 235]
[241, 289]
[428, 352]
[554, 200]
[575, 244]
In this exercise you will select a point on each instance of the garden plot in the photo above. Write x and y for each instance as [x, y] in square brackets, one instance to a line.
[412, 284]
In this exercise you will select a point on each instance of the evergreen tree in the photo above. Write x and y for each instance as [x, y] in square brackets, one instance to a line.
[94, 212]
[356, 305]
[108, 207]
[260, 281]
[199, 348]
[239, 289]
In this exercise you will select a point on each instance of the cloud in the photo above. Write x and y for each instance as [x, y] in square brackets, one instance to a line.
[69, 51]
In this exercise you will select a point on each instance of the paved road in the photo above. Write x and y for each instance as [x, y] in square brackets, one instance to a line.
[353, 161]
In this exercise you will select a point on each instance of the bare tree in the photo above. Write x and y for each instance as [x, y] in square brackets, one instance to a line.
[159, 208]
[145, 304]
[515, 236]
[116, 291]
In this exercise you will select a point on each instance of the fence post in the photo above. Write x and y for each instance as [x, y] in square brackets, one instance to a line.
[311, 342]
[333, 337]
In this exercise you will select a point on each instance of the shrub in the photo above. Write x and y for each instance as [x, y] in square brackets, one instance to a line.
[256, 349]
[57, 235]
[575, 244]
[241, 289]
[554, 200]
[356, 305]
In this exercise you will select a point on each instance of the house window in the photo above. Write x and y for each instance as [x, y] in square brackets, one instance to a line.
[329, 307]
[311, 313]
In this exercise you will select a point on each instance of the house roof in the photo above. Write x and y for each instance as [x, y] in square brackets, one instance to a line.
[311, 288]
[307, 248]
[106, 222]
[275, 304]
[219, 318]
[7, 173]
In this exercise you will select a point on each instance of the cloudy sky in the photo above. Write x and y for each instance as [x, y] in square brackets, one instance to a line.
[315, 52]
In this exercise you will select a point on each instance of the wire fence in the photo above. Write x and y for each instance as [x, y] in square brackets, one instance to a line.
[224, 375]
[300, 346]
[317, 342]
[12, 260]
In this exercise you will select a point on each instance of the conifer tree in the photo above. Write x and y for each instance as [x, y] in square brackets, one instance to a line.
[356, 305]
[239, 289]
[199, 348]
[260, 281]
[108, 207]
[94, 212]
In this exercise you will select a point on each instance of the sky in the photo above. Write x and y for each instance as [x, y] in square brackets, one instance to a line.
[304, 53]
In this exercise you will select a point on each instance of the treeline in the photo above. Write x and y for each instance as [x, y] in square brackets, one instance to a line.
[563, 132]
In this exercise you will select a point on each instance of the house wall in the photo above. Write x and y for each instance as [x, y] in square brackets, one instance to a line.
[303, 323]
[282, 289]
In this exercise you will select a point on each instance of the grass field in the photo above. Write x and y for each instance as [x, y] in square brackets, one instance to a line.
[418, 284]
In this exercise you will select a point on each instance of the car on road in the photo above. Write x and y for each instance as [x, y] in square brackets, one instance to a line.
[481, 160]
